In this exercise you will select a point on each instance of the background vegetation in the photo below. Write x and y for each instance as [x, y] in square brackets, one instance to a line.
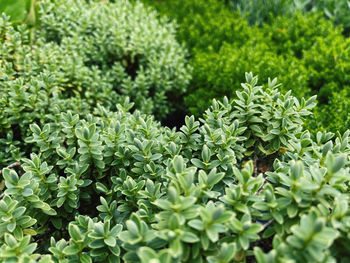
[264, 11]
[308, 53]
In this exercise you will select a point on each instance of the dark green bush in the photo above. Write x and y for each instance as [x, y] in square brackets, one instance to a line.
[243, 176]
[336, 113]
[297, 35]
[216, 73]
[309, 54]
[307, 51]
[324, 65]
[204, 25]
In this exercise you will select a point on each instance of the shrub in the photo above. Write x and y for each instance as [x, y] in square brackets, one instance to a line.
[215, 73]
[40, 80]
[258, 11]
[204, 25]
[323, 52]
[245, 175]
[307, 51]
[28, 91]
[116, 49]
[338, 11]
[334, 115]
[299, 34]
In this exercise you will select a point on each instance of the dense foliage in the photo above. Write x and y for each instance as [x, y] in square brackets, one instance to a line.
[204, 24]
[211, 192]
[259, 11]
[117, 49]
[307, 52]
[88, 173]
[133, 57]
[76, 72]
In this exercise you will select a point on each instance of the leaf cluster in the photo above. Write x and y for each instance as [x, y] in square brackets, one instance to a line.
[198, 194]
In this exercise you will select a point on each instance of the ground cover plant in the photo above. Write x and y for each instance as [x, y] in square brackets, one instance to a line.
[117, 47]
[308, 53]
[58, 72]
[89, 174]
[245, 174]
[139, 58]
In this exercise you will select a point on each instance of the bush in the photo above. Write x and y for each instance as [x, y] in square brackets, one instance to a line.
[307, 51]
[117, 49]
[40, 80]
[215, 74]
[204, 25]
[297, 35]
[333, 115]
[306, 59]
[244, 176]
[258, 11]
[31, 90]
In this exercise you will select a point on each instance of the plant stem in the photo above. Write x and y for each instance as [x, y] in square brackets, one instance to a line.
[268, 223]
[12, 165]
[255, 165]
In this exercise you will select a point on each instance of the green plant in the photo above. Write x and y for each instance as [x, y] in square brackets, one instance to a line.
[204, 25]
[42, 79]
[215, 73]
[258, 12]
[113, 50]
[264, 11]
[304, 50]
[333, 115]
[338, 11]
[19, 10]
[242, 176]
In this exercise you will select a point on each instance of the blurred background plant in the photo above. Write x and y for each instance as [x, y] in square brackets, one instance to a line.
[19, 10]
[307, 51]
[259, 11]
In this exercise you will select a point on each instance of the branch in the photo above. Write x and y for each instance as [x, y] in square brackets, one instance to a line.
[11, 166]
[268, 223]
[255, 164]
